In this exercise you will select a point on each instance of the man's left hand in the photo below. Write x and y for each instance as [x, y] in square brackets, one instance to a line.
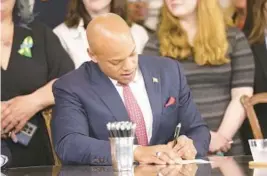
[185, 148]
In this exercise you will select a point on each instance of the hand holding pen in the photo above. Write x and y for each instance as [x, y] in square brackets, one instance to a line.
[183, 145]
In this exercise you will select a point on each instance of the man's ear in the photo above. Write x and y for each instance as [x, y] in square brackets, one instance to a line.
[92, 55]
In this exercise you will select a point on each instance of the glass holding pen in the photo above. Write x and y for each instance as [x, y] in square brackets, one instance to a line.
[121, 136]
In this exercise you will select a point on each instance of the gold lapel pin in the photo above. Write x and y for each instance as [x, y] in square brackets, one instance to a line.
[155, 80]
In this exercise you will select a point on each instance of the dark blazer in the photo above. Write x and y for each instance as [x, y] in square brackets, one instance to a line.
[86, 100]
[260, 82]
[51, 12]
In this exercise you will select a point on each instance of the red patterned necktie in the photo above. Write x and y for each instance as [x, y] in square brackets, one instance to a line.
[135, 115]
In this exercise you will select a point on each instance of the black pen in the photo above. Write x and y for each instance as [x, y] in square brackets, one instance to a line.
[177, 133]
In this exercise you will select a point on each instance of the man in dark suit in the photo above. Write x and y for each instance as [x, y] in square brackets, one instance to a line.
[119, 85]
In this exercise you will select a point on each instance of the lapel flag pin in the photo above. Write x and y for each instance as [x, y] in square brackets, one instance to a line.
[155, 80]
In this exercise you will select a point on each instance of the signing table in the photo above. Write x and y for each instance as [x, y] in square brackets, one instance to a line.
[225, 166]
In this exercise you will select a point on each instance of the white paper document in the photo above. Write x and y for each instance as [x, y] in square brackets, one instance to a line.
[195, 161]
[260, 172]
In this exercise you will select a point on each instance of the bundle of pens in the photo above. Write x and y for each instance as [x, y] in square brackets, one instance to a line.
[121, 129]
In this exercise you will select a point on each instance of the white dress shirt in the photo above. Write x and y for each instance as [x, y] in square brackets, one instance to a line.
[139, 91]
[75, 42]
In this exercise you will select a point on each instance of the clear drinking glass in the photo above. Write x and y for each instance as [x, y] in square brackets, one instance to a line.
[122, 153]
[258, 148]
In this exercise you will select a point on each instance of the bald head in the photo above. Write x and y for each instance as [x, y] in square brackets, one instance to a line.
[109, 36]
[112, 47]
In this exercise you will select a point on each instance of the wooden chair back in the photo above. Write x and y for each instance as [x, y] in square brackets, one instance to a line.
[47, 114]
[248, 103]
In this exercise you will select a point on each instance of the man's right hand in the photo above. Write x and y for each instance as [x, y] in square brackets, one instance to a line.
[158, 154]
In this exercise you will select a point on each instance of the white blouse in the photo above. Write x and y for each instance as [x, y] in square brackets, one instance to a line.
[75, 42]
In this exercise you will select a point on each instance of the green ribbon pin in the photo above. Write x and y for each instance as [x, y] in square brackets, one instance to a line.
[25, 47]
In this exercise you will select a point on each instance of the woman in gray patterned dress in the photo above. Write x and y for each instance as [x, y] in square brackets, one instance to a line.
[217, 61]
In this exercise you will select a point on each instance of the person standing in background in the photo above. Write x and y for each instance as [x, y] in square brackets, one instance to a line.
[218, 65]
[72, 32]
[32, 58]
[255, 29]
[138, 10]
[240, 14]
[145, 13]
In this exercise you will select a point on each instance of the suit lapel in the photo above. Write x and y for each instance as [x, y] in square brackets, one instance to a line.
[153, 88]
[108, 93]
[261, 56]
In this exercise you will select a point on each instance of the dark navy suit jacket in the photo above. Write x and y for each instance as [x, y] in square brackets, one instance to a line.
[86, 100]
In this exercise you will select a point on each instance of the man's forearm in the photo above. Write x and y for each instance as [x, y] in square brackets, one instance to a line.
[81, 149]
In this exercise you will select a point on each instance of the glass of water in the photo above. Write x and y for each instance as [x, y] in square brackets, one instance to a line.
[258, 148]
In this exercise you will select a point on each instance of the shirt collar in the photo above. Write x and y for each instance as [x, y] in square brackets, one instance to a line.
[137, 77]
